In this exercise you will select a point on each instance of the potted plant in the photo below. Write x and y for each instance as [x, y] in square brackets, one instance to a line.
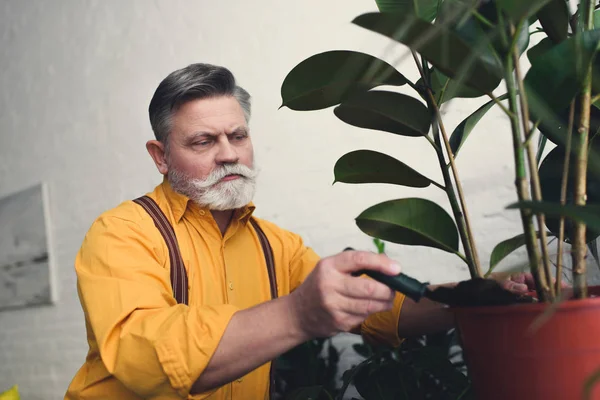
[469, 49]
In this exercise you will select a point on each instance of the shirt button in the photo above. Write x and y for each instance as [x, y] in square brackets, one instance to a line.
[230, 285]
[202, 212]
[240, 380]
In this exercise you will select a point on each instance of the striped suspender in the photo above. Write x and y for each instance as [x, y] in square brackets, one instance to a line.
[179, 280]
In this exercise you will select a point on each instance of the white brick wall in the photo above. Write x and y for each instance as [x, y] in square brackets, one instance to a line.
[75, 81]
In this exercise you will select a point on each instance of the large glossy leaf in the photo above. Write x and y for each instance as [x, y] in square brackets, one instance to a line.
[367, 166]
[540, 48]
[555, 77]
[520, 9]
[551, 172]
[411, 221]
[463, 130]
[597, 19]
[326, 79]
[445, 88]
[504, 248]
[424, 9]
[588, 214]
[554, 18]
[443, 48]
[386, 111]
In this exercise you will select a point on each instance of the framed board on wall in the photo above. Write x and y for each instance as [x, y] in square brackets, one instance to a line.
[25, 270]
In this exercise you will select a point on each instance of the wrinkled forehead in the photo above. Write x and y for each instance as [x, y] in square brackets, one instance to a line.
[212, 115]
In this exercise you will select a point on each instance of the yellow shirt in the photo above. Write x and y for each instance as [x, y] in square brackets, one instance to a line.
[142, 344]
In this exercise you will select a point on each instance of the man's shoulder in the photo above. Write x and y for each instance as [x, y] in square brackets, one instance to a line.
[128, 212]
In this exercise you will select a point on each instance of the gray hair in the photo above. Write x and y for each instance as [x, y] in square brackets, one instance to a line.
[196, 81]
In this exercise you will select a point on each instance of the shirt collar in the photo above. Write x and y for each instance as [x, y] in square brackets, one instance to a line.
[180, 203]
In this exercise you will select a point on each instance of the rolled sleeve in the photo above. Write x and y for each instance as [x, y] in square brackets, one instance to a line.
[382, 328]
[152, 345]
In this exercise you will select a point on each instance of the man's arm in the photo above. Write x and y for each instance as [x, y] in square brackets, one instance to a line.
[424, 317]
[253, 337]
[328, 302]
[427, 316]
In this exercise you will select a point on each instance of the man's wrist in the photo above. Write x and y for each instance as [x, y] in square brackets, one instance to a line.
[297, 328]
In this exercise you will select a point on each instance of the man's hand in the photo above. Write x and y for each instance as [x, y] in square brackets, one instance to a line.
[520, 283]
[331, 300]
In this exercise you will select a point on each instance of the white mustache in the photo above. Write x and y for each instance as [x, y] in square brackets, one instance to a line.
[228, 169]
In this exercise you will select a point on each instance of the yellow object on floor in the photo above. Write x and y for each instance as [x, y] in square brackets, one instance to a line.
[11, 394]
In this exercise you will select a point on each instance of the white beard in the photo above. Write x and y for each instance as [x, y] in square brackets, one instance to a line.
[214, 194]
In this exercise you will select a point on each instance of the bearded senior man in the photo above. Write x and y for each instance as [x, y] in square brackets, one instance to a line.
[199, 312]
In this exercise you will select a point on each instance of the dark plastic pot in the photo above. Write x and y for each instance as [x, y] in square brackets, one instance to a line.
[506, 360]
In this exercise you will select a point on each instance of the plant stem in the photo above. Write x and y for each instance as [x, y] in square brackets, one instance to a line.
[581, 161]
[521, 185]
[563, 197]
[459, 189]
[533, 169]
[499, 104]
[460, 212]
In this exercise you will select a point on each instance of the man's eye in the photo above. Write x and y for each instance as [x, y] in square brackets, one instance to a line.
[202, 143]
[240, 137]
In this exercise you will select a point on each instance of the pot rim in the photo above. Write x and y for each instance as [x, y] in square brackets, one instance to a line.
[533, 307]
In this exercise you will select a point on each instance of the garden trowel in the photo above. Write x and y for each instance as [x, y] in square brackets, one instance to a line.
[472, 292]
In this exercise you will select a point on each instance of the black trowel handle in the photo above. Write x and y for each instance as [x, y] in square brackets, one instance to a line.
[402, 283]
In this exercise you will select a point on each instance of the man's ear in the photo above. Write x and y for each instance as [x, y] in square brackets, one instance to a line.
[157, 151]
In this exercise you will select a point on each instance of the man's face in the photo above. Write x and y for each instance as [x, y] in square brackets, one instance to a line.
[210, 156]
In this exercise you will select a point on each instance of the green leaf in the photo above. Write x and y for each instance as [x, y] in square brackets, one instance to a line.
[386, 111]
[520, 9]
[366, 166]
[551, 173]
[593, 246]
[542, 140]
[556, 75]
[463, 130]
[589, 385]
[424, 9]
[597, 19]
[446, 89]
[588, 214]
[542, 47]
[411, 221]
[326, 79]
[506, 247]
[554, 18]
[443, 48]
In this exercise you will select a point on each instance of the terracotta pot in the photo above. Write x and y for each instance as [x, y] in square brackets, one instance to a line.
[506, 360]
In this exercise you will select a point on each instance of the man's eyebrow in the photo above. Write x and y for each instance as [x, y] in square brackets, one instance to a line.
[199, 135]
[239, 130]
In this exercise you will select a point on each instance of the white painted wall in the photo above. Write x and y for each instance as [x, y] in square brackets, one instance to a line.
[76, 78]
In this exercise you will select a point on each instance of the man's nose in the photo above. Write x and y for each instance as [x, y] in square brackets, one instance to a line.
[226, 154]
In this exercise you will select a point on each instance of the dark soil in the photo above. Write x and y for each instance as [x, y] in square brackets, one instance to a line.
[478, 292]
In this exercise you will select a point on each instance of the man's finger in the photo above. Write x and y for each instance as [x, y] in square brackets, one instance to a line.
[515, 286]
[366, 288]
[352, 261]
[365, 307]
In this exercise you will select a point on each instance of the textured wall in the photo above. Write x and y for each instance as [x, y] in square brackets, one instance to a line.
[76, 78]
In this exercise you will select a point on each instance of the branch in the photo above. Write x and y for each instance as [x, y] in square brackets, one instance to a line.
[581, 160]
[533, 170]
[521, 185]
[563, 197]
[460, 213]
